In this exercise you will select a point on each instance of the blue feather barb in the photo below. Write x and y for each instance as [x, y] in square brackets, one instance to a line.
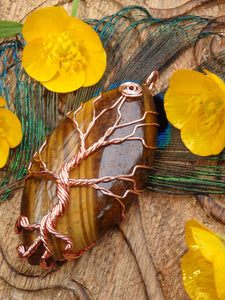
[136, 44]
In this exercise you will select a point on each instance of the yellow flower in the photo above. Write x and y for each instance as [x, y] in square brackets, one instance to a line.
[62, 52]
[203, 267]
[10, 132]
[195, 104]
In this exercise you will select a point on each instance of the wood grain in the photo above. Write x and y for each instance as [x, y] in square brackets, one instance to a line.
[18, 10]
[139, 260]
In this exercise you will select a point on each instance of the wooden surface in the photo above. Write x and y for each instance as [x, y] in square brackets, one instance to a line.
[140, 260]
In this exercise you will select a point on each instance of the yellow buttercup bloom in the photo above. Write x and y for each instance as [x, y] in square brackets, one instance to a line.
[62, 52]
[203, 267]
[10, 132]
[195, 104]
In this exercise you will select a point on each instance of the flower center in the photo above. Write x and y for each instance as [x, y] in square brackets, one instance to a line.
[210, 111]
[63, 51]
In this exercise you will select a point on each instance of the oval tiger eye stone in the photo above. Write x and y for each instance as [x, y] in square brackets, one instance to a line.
[117, 126]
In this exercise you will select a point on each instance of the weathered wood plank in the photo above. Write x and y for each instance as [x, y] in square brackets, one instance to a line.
[140, 260]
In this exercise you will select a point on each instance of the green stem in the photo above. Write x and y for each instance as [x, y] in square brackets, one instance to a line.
[74, 9]
[221, 236]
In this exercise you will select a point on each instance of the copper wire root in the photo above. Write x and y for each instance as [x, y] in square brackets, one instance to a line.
[49, 222]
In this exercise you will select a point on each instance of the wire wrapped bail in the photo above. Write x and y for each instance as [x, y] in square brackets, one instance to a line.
[151, 80]
[130, 89]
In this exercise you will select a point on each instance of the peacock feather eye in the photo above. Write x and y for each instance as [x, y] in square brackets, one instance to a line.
[87, 173]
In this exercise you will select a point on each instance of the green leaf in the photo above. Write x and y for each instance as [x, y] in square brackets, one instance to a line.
[74, 9]
[8, 28]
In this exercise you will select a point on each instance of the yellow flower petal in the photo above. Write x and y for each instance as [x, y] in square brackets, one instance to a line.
[209, 244]
[83, 33]
[4, 152]
[186, 88]
[203, 140]
[219, 82]
[198, 277]
[64, 82]
[176, 107]
[35, 61]
[189, 235]
[94, 71]
[43, 21]
[2, 102]
[189, 82]
[203, 267]
[195, 104]
[199, 237]
[219, 274]
[10, 128]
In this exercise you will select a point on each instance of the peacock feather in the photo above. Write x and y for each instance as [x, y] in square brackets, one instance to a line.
[136, 44]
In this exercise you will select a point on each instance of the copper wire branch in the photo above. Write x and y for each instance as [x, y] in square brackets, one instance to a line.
[49, 222]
